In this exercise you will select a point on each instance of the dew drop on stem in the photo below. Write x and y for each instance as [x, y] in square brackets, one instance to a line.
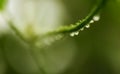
[96, 18]
[74, 33]
[81, 29]
[87, 26]
[77, 33]
[92, 21]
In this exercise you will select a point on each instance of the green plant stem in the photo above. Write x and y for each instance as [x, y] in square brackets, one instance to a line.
[81, 24]
[67, 29]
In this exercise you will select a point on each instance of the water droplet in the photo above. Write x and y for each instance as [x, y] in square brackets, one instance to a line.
[81, 29]
[92, 21]
[77, 33]
[96, 18]
[74, 33]
[87, 26]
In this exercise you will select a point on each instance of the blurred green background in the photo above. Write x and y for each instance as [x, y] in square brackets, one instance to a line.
[94, 51]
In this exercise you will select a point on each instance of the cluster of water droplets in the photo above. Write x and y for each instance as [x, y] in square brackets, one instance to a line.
[95, 18]
[48, 40]
[74, 33]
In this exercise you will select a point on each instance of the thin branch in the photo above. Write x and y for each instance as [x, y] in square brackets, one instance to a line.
[80, 24]
[66, 29]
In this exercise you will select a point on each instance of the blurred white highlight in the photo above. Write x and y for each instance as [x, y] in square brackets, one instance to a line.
[43, 15]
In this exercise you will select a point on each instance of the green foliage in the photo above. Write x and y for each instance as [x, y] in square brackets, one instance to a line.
[2, 4]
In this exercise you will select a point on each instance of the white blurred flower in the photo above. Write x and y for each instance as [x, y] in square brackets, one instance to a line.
[36, 16]
[39, 17]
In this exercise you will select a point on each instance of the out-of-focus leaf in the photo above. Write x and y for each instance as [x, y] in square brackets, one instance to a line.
[2, 4]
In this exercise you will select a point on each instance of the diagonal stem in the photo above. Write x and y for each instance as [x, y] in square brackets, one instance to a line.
[81, 24]
[66, 29]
